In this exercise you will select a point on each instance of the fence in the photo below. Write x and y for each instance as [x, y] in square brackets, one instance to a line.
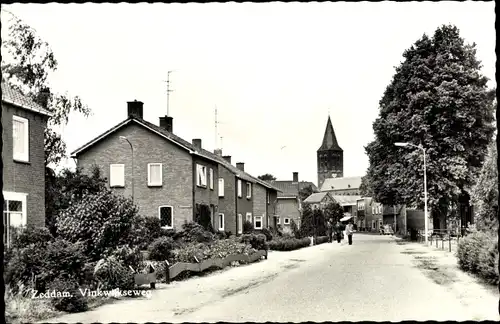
[444, 239]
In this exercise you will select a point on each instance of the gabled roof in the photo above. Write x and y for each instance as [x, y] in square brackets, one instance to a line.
[346, 200]
[344, 183]
[16, 98]
[316, 197]
[289, 188]
[329, 139]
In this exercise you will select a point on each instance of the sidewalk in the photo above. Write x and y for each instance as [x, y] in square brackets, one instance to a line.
[442, 266]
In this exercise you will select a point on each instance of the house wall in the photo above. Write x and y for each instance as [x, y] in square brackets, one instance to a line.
[177, 188]
[288, 208]
[272, 207]
[227, 204]
[22, 177]
[244, 205]
[203, 194]
[260, 203]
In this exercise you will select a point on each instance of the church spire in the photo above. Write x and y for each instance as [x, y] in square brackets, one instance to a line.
[330, 140]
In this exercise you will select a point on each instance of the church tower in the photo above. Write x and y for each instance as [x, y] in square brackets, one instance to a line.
[330, 156]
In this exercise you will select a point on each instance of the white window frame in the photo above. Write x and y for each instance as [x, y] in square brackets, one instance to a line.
[25, 156]
[221, 187]
[248, 217]
[113, 183]
[17, 196]
[239, 188]
[240, 223]
[151, 183]
[285, 221]
[201, 181]
[171, 213]
[249, 190]
[221, 223]
[255, 220]
[211, 174]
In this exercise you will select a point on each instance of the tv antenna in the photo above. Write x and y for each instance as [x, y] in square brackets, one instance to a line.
[168, 89]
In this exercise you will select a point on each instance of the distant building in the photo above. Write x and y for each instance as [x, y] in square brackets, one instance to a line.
[319, 200]
[347, 186]
[330, 156]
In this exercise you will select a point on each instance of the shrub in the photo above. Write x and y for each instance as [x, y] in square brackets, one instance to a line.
[256, 241]
[295, 229]
[488, 262]
[143, 231]
[469, 249]
[247, 227]
[32, 235]
[161, 249]
[221, 249]
[289, 244]
[223, 235]
[321, 239]
[73, 304]
[111, 274]
[36, 266]
[188, 252]
[267, 233]
[193, 232]
[127, 256]
[99, 220]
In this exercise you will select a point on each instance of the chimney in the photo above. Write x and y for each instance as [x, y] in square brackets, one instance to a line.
[134, 109]
[227, 158]
[166, 123]
[295, 177]
[197, 143]
[240, 166]
[218, 152]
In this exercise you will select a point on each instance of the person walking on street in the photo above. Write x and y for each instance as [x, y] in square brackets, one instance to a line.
[338, 231]
[329, 226]
[349, 230]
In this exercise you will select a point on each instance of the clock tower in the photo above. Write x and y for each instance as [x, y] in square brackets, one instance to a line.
[330, 156]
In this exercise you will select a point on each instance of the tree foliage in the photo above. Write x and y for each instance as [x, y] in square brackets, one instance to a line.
[267, 177]
[485, 193]
[305, 192]
[333, 210]
[437, 98]
[27, 62]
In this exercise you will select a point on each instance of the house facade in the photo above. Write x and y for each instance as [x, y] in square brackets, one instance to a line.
[319, 200]
[364, 213]
[166, 176]
[23, 156]
[347, 186]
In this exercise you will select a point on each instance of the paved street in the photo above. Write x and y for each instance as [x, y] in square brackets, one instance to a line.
[374, 279]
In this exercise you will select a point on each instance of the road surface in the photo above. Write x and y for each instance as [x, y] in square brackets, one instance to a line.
[374, 279]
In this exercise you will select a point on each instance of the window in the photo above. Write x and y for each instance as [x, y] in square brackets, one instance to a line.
[20, 139]
[211, 179]
[249, 190]
[240, 223]
[221, 187]
[166, 217]
[201, 175]
[286, 221]
[117, 175]
[278, 220]
[239, 188]
[221, 221]
[258, 222]
[14, 214]
[155, 176]
[373, 224]
[249, 217]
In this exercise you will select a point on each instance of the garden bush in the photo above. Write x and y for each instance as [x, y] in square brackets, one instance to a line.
[289, 244]
[256, 241]
[193, 232]
[35, 266]
[127, 256]
[488, 262]
[161, 249]
[247, 227]
[469, 250]
[73, 304]
[295, 229]
[99, 220]
[32, 235]
[143, 231]
[112, 274]
[321, 239]
[267, 233]
[217, 249]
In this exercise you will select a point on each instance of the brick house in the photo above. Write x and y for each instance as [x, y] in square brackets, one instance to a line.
[166, 176]
[243, 197]
[319, 200]
[289, 202]
[23, 156]
[348, 186]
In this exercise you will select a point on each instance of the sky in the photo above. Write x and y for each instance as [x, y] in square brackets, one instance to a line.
[274, 71]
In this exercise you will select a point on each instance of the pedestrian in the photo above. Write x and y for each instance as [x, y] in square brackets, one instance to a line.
[329, 226]
[338, 231]
[349, 229]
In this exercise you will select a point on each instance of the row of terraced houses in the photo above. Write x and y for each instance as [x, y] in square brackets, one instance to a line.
[176, 180]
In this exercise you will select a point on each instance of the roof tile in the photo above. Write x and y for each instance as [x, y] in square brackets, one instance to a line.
[12, 96]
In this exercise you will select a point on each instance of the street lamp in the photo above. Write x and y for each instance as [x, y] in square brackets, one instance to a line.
[426, 218]
[132, 149]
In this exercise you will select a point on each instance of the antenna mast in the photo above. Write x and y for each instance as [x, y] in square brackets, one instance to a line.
[216, 133]
[168, 91]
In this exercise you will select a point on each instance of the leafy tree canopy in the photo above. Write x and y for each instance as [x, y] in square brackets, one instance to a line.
[27, 62]
[305, 192]
[437, 98]
[334, 211]
[267, 177]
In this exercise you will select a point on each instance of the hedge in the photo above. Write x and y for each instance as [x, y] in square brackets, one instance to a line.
[478, 253]
[321, 239]
[288, 244]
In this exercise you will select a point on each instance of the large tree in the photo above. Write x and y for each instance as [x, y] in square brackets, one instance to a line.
[334, 211]
[438, 98]
[305, 192]
[267, 177]
[27, 62]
